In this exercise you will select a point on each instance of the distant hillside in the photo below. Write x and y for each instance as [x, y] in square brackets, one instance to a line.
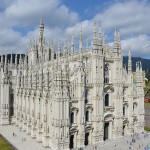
[145, 64]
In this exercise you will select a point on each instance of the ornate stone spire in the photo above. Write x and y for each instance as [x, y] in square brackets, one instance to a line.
[59, 49]
[2, 59]
[5, 65]
[100, 37]
[104, 39]
[140, 66]
[81, 43]
[65, 49]
[119, 44]
[20, 59]
[41, 30]
[115, 41]
[129, 62]
[52, 50]
[94, 37]
[139, 74]
[72, 44]
[20, 62]
[5, 59]
[25, 62]
[11, 59]
[16, 60]
[137, 66]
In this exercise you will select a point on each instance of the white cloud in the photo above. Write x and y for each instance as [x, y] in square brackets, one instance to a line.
[27, 13]
[132, 17]
[9, 37]
[139, 45]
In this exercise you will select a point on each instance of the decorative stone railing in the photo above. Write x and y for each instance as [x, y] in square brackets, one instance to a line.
[125, 102]
[88, 123]
[125, 119]
[109, 108]
[89, 105]
[73, 125]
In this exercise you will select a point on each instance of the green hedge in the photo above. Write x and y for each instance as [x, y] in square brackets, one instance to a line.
[146, 104]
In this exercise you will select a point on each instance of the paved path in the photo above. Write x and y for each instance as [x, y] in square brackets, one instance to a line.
[124, 143]
[120, 144]
[30, 144]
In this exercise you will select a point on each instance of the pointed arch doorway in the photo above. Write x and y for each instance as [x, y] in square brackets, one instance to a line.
[106, 131]
[108, 119]
[71, 142]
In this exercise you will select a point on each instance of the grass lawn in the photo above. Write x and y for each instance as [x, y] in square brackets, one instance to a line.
[146, 104]
[4, 145]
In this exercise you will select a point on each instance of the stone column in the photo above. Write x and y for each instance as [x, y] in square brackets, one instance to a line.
[20, 110]
[110, 130]
[33, 123]
[45, 137]
[28, 114]
[16, 108]
[24, 113]
[38, 134]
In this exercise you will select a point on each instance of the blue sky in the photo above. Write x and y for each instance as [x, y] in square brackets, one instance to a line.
[88, 8]
[19, 21]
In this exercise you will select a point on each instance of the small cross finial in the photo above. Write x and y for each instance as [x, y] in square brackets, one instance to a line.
[100, 26]
[129, 51]
[41, 21]
[94, 29]
[115, 34]
[72, 38]
[87, 44]
[81, 34]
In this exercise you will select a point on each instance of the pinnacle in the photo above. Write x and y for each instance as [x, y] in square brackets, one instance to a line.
[41, 21]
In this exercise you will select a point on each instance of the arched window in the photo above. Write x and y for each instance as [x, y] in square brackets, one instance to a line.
[71, 141]
[123, 111]
[134, 107]
[11, 107]
[51, 107]
[107, 100]
[106, 74]
[86, 141]
[72, 118]
[87, 116]
[87, 96]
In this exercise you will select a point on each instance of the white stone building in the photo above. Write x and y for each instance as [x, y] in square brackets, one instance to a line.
[67, 99]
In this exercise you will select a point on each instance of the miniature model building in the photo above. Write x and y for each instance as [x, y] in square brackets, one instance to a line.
[69, 98]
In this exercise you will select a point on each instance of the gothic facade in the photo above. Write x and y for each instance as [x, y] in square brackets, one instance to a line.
[71, 99]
